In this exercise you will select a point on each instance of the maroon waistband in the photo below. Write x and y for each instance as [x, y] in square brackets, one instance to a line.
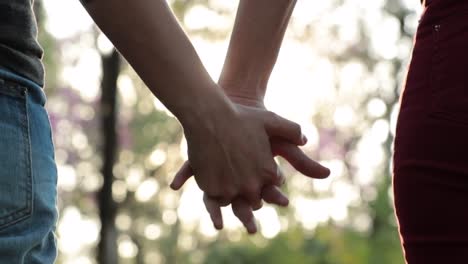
[436, 10]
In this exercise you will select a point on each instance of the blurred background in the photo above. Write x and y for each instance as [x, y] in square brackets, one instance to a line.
[339, 74]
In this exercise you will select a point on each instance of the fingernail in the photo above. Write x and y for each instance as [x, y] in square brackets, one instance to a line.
[218, 225]
[284, 201]
[251, 227]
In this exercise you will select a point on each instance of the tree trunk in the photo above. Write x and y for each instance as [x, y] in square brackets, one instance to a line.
[107, 249]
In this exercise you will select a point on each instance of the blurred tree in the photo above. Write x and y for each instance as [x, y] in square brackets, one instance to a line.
[383, 220]
[107, 249]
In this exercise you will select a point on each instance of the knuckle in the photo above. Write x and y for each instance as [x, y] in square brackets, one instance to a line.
[274, 119]
[297, 128]
[269, 171]
[229, 193]
[205, 187]
[213, 192]
[258, 205]
[223, 202]
[251, 191]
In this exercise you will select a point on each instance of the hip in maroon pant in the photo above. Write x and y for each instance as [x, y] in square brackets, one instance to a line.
[431, 145]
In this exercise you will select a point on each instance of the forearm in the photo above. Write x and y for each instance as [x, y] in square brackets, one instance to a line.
[255, 42]
[148, 35]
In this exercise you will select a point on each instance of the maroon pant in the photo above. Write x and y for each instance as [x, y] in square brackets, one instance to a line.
[431, 145]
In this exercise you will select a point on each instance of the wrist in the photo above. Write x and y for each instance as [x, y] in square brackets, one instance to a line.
[207, 111]
[253, 89]
[241, 93]
[247, 101]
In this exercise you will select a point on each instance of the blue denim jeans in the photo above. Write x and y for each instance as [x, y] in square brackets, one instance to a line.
[28, 174]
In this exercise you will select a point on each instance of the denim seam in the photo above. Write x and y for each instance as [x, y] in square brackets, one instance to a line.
[13, 90]
[26, 211]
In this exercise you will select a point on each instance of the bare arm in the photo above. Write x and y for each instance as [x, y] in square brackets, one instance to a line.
[150, 38]
[255, 43]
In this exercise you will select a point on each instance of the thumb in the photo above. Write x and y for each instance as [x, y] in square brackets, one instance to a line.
[184, 173]
[277, 126]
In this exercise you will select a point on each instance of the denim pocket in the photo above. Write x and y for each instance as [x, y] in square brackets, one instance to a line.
[449, 75]
[15, 155]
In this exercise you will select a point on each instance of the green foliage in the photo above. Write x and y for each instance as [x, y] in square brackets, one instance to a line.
[328, 244]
